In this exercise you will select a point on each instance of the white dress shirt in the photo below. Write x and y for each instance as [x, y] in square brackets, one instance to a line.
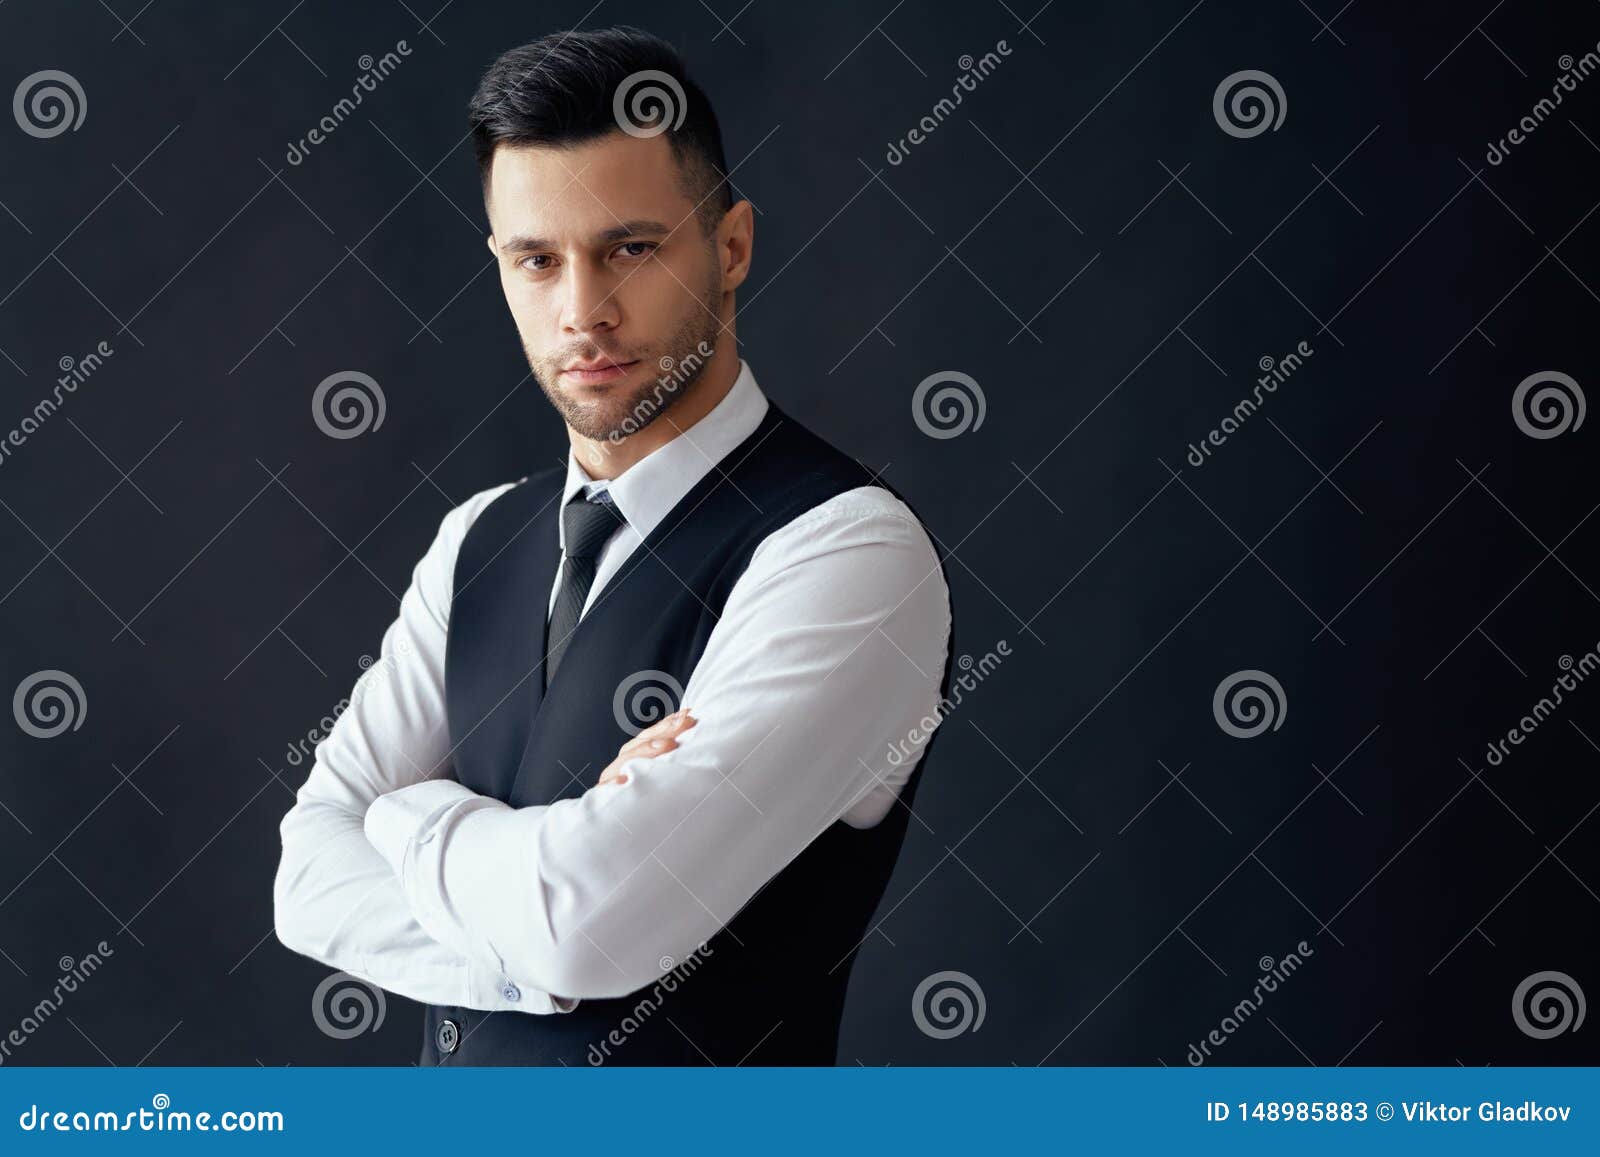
[827, 656]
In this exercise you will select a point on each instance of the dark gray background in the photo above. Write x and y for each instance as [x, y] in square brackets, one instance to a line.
[183, 540]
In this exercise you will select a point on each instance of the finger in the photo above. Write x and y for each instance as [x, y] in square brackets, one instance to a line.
[667, 726]
[643, 748]
[661, 737]
[653, 741]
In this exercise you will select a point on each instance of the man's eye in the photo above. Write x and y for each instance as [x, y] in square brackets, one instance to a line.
[636, 248]
[526, 262]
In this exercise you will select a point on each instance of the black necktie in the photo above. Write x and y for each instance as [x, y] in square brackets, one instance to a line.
[586, 525]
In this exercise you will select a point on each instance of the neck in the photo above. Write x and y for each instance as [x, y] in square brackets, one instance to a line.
[604, 458]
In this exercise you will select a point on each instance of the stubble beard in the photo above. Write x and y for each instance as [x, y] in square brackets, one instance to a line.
[621, 411]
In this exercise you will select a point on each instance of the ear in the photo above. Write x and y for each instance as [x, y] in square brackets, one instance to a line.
[489, 240]
[736, 240]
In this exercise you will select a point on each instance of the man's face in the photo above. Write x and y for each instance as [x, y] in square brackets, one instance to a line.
[605, 268]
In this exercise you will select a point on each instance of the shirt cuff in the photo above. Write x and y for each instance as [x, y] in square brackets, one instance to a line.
[395, 819]
[393, 822]
[493, 991]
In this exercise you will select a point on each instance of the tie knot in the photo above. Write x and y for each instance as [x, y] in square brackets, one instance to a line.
[587, 523]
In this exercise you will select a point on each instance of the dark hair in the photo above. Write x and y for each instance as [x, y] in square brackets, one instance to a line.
[562, 88]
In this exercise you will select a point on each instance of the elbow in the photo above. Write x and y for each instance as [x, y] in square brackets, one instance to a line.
[560, 969]
[593, 964]
[288, 921]
[291, 915]
[573, 939]
[581, 975]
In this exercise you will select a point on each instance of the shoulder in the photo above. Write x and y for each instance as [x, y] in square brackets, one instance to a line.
[460, 519]
[862, 553]
[434, 574]
[859, 516]
[537, 488]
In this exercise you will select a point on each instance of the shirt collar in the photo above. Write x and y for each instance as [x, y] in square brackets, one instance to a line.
[647, 491]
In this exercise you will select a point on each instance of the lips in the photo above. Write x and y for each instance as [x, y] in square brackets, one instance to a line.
[591, 372]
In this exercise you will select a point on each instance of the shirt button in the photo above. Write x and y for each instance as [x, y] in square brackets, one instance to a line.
[448, 1036]
[511, 992]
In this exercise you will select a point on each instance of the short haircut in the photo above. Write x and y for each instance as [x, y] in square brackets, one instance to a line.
[561, 90]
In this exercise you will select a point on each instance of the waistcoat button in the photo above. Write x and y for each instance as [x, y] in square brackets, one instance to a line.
[448, 1036]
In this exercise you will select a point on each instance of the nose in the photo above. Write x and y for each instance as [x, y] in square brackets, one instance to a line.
[591, 303]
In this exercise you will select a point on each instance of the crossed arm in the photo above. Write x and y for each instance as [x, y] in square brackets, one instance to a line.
[830, 649]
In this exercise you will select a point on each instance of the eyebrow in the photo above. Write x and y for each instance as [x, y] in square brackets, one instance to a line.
[521, 243]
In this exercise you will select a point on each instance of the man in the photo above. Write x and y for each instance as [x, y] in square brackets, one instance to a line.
[701, 898]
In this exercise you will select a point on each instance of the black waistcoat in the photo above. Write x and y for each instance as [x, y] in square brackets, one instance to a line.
[769, 988]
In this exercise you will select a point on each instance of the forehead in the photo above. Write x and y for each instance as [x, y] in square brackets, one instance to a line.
[581, 189]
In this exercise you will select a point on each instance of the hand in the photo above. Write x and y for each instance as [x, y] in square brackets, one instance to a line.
[655, 740]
